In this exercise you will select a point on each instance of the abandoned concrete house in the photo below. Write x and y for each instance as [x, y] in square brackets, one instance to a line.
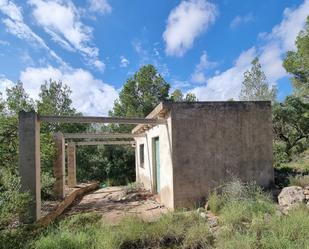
[202, 145]
[183, 150]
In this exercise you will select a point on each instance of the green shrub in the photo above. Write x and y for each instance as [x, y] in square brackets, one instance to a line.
[299, 180]
[279, 154]
[12, 202]
[132, 187]
[80, 221]
[47, 185]
[65, 239]
[18, 238]
[198, 236]
[239, 214]
[177, 230]
[268, 232]
[289, 231]
[235, 240]
[243, 203]
[215, 202]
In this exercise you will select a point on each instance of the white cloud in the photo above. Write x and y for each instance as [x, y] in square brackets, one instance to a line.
[10, 9]
[281, 39]
[99, 65]
[293, 21]
[274, 45]
[65, 27]
[124, 62]
[4, 84]
[271, 61]
[238, 20]
[226, 84]
[100, 6]
[198, 75]
[15, 25]
[91, 96]
[185, 23]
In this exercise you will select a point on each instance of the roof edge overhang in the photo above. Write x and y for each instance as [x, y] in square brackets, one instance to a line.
[157, 113]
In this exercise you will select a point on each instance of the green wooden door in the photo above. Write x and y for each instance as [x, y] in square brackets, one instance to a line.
[157, 163]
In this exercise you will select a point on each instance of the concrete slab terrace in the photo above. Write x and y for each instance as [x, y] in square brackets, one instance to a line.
[110, 202]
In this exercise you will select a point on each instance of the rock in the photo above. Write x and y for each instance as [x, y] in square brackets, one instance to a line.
[213, 222]
[290, 197]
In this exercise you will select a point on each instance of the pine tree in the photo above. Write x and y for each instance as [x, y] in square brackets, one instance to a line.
[255, 85]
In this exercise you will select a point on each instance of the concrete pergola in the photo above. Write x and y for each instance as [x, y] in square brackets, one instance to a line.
[29, 151]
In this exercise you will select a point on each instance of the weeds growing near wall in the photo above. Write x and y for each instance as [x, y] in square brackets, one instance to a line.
[87, 231]
[299, 180]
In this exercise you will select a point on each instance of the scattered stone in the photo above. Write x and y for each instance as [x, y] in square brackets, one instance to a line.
[306, 193]
[213, 221]
[290, 197]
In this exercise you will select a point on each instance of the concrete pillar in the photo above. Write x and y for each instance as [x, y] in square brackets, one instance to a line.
[29, 162]
[59, 166]
[71, 152]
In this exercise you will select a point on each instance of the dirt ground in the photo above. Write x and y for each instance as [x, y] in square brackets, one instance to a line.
[114, 204]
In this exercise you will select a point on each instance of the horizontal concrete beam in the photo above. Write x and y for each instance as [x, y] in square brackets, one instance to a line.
[105, 143]
[101, 135]
[105, 120]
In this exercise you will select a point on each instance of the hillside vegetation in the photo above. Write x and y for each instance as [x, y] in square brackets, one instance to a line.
[246, 216]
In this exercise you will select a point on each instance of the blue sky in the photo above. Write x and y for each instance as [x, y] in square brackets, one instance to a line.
[95, 45]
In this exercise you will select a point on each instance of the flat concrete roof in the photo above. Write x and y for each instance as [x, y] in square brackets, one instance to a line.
[163, 107]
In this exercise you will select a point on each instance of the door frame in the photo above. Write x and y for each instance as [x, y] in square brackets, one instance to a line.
[154, 163]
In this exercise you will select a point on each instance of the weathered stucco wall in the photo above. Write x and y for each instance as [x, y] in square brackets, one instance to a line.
[216, 141]
[146, 174]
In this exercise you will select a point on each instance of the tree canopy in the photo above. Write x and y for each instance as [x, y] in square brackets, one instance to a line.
[291, 123]
[255, 85]
[141, 93]
[178, 96]
[297, 64]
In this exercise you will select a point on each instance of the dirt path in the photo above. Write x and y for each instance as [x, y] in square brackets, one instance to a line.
[114, 204]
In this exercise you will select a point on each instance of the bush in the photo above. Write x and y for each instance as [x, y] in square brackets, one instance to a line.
[215, 202]
[239, 203]
[12, 202]
[18, 238]
[85, 231]
[279, 155]
[287, 231]
[243, 203]
[273, 232]
[299, 180]
[47, 185]
[132, 187]
[198, 236]
[240, 214]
